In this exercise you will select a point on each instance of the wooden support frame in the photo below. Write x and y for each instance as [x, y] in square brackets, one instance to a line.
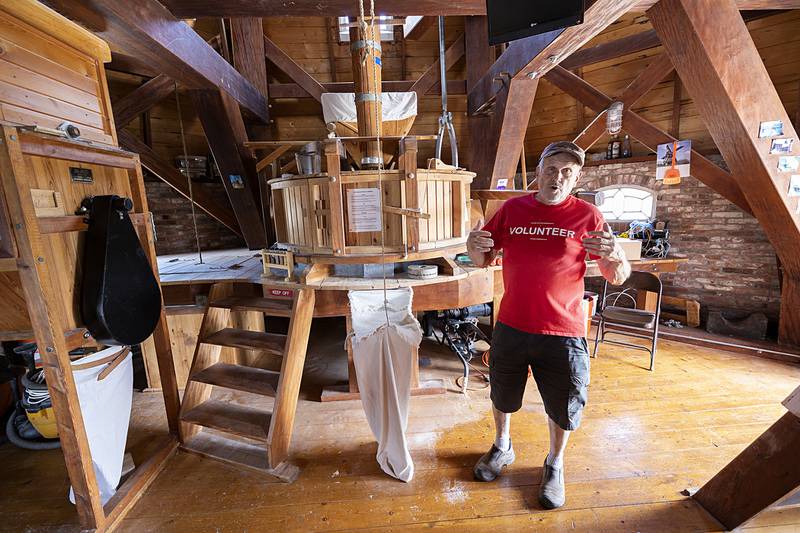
[141, 99]
[45, 308]
[648, 134]
[293, 90]
[734, 93]
[172, 177]
[147, 30]
[430, 78]
[408, 167]
[332, 150]
[225, 132]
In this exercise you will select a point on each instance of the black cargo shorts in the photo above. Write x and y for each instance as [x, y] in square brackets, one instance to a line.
[560, 366]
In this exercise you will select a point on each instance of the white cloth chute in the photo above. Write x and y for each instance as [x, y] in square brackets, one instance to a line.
[341, 107]
[382, 354]
[106, 410]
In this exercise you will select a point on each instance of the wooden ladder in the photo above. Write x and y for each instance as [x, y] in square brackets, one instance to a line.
[271, 428]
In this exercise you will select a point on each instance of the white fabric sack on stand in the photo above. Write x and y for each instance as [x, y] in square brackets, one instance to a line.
[106, 410]
[382, 356]
[341, 107]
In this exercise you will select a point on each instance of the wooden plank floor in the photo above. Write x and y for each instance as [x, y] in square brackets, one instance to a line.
[645, 437]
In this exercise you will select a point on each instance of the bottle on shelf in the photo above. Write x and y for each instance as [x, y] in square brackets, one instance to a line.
[609, 148]
[615, 148]
[626, 146]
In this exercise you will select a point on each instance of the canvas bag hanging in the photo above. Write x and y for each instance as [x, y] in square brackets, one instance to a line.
[106, 410]
[382, 355]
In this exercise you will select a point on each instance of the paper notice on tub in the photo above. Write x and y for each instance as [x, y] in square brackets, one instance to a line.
[364, 210]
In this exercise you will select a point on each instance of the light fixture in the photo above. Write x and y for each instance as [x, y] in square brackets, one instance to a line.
[614, 117]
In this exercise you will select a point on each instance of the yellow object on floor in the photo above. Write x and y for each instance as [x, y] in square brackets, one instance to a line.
[44, 421]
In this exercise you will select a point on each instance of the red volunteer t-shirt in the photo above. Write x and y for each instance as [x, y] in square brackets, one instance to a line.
[544, 263]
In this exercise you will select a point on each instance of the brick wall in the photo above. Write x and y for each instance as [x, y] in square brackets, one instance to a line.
[731, 264]
[172, 214]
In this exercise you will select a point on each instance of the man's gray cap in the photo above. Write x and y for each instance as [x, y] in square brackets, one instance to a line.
[564, 147]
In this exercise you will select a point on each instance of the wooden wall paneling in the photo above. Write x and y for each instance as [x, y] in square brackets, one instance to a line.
[146, 29]
[42, 298]
[224, 130]
[341, 8]
[430, 78]
[478, 59]
[734, 94]
[290, 67]
[172, 176]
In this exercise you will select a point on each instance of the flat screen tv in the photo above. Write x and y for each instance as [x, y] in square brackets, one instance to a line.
[514, 19]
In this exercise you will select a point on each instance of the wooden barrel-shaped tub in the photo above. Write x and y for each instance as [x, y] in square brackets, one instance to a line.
[312, 213]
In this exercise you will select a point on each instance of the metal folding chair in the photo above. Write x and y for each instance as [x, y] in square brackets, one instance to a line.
[636, 322]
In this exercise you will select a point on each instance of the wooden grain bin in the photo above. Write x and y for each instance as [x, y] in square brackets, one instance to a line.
[51, 71]
[305, 221]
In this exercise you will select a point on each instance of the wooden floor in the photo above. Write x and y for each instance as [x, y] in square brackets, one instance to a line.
[645, 438]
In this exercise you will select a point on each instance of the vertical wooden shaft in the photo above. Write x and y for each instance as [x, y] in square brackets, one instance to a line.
[408, 169]
[365, 50]
[334, 170]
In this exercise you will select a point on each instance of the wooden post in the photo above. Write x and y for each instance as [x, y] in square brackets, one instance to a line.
[762, 474]
[365, 50]
[166, 365]
[728, 82]
[408, 169]
[294, 356]
[335, 195]
[43, 299]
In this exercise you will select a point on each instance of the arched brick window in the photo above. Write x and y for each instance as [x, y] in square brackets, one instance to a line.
[624, 203]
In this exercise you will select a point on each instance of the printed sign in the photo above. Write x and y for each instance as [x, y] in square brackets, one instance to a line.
[502, 184]
[673, 160]
[80, 175]
[364, 210]
[794, 185]
[788, 164]
[781, 146]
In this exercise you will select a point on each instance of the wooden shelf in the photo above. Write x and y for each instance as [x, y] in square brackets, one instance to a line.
[238, 377]
[230, 418]
[622, 160]
[255, 303]
[248, 340]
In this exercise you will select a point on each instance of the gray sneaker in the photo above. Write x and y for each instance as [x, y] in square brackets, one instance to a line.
[492, 462]
[551, 492]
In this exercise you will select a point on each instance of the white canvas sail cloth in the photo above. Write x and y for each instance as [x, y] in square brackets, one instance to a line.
[382, 355]
[106, 409]
[341, 107]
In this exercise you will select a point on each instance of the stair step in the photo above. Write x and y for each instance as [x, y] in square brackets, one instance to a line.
[255, 303]
[272, 343]
[238, 453]
[230, 418]
[238, 377]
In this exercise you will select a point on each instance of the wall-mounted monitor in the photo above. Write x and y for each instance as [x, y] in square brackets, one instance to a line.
[514, 19]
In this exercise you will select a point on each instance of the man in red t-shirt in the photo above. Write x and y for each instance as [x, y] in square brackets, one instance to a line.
[545, 237]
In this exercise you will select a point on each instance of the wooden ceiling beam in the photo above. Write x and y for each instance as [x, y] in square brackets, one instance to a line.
[424, 24]
[170, 175]
[648, 134]
[290, 67]
[141, 99]
[537, 55]
[612, 49]
[399, 8]
[247, 36]
[293, 90]
[430, 78]
[225, 132]
[146, 30]
[658, 69]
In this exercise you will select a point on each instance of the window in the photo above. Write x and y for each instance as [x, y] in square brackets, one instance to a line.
[387, 30]
[626, 203]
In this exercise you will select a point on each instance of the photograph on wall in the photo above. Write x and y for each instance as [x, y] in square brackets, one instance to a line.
[673, 159]
[794, 185]
[771, 128]
[781, 146]
[788, 163]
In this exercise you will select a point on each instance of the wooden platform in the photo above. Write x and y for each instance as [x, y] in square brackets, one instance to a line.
[645, 437]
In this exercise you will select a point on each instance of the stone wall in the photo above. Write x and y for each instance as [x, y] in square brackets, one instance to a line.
[731, 264]
[172, 214]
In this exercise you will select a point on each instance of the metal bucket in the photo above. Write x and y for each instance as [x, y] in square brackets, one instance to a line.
[309, 158]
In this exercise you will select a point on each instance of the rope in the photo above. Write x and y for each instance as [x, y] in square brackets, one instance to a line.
[188, 177]
[363, 25]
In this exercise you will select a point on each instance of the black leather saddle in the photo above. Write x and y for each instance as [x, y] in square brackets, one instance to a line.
[121, 299]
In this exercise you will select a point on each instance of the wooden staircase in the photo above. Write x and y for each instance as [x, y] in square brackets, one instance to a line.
[267, 433]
